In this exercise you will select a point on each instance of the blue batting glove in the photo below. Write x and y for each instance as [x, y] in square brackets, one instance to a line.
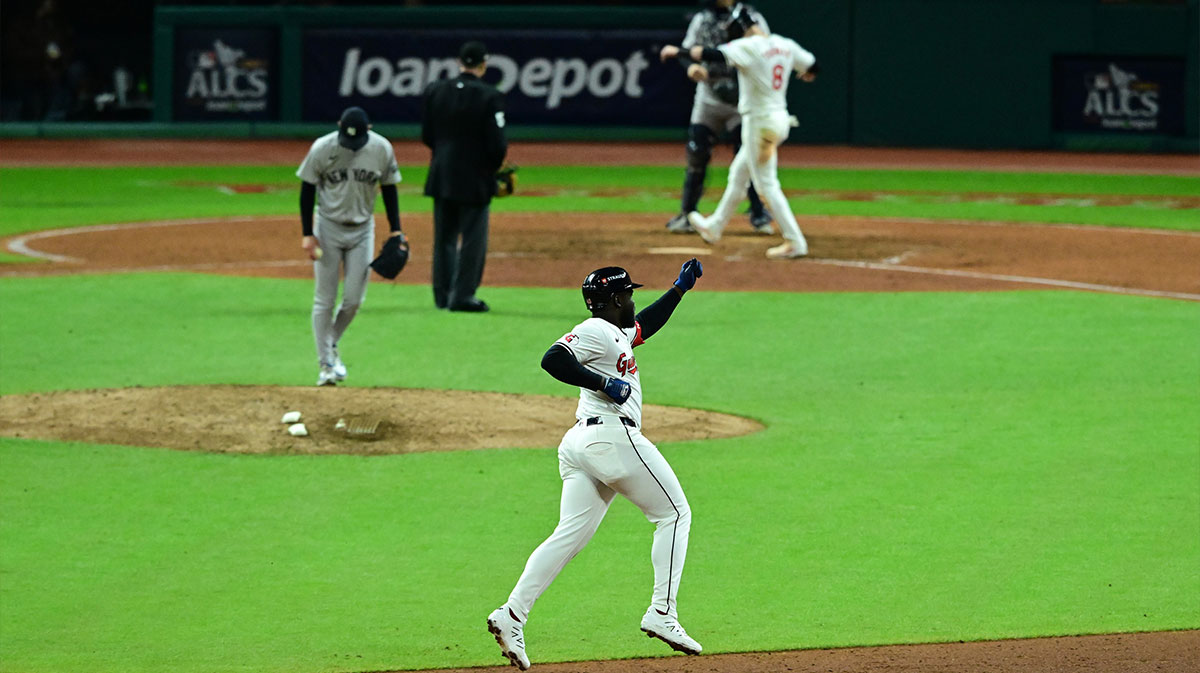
[692, 269]
[617, 389]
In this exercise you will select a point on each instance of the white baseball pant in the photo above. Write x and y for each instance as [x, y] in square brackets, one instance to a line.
[596, 462]
[758, 162]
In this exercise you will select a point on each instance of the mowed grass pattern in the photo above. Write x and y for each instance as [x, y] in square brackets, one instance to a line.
[936, 466]
[34, 198]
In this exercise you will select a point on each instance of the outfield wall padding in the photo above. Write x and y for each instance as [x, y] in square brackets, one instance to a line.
[973, 74]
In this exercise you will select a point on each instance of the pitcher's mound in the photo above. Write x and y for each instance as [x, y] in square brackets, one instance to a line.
[247, 419]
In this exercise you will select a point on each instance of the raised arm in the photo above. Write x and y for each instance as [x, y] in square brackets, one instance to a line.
[653, 317]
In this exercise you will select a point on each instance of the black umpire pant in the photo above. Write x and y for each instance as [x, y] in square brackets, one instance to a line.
[460, 238]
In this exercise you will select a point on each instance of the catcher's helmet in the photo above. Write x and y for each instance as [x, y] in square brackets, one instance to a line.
[601, 284]
[740, 20]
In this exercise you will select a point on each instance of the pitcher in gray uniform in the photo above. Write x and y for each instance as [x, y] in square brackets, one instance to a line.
[340, 175]
[714, 115]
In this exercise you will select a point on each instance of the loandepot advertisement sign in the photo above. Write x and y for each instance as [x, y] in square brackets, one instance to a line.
[548, 76]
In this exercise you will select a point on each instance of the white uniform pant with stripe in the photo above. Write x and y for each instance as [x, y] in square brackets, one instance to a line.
[758, 162]
[596, 462]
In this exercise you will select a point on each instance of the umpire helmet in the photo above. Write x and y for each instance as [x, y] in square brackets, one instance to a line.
[601, 284]
[740, 20]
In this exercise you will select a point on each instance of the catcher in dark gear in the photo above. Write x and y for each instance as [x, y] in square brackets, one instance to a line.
[714, 118]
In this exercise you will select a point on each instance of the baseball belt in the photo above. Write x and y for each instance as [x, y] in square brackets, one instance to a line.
[596, 420]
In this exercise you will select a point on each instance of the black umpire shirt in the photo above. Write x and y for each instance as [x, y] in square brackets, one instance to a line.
[463, 123]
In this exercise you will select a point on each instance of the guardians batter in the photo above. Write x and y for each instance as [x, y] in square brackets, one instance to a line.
[605, 453]
[340, 174]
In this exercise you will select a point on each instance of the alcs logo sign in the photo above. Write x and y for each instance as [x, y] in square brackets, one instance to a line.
[1118, 100]
[226, 81]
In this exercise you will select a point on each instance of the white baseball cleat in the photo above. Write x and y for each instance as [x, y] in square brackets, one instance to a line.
[667, 629]
[510, 636]
[787, 250]
[327, 377]
[339, 368]
[700, 224]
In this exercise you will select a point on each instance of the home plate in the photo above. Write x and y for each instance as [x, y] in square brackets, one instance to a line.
[680, 251]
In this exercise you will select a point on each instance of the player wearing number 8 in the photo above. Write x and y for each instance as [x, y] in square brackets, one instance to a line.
[764, 63]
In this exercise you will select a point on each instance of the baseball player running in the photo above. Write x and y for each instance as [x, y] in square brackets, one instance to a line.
[714, 115]
[764, 62]
[605, 453]
[340, 174]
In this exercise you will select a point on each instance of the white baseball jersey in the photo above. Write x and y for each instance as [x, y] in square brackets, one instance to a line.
[607, 350]
[765, 64]
[708, 30]
[346, 179]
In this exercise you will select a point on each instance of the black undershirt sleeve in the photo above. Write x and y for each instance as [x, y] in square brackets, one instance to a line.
[654, 316]
[562, 365]
[712, 55]
[308, 198]
[391, 204]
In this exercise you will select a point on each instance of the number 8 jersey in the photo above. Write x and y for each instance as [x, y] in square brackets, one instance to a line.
[765, 64]
[606, 349]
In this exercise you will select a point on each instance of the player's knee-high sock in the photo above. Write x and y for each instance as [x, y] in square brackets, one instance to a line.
[766, 178]
[584, 503]
[735, 190]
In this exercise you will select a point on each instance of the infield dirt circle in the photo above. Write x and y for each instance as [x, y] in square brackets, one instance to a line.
[558, 249]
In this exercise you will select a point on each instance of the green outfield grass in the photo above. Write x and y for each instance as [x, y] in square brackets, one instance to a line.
[935, 466]
[43, 198]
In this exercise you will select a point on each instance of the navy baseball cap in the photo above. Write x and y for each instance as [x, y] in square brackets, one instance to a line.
[352, 128]
[472, 53]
